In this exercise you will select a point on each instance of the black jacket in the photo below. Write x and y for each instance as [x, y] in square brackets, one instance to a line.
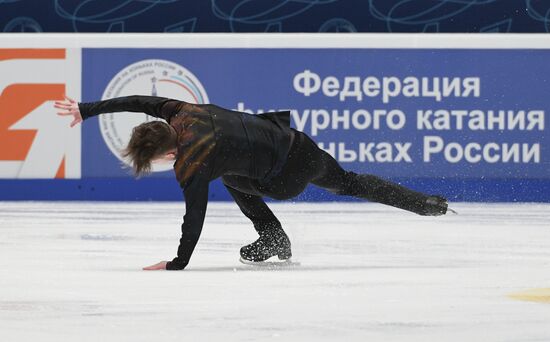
[212, 141]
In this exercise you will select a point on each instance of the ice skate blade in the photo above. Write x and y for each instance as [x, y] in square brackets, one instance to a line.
[272, 262]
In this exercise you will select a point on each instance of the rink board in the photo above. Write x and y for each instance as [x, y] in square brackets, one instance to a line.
[355, 95]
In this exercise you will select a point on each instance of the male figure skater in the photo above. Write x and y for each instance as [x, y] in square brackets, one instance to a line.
[256, 156]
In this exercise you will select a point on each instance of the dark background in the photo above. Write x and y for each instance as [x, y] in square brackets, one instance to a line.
[275, 16]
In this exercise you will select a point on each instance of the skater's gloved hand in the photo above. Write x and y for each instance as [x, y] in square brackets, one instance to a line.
[70, 108]
[159, 266]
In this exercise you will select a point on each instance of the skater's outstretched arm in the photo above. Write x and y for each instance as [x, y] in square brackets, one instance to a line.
[150, 105]
[196, 200]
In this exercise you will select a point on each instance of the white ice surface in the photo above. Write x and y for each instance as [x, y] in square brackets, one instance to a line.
[72, 272]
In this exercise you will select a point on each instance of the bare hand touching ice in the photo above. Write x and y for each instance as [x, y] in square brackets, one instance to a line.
[159, 266]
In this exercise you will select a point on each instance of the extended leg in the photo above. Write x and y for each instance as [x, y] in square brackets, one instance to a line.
[376, 189]
[330, 175]
[273, 240]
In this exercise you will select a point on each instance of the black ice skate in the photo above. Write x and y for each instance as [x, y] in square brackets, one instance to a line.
[435, 206]
[270, 243]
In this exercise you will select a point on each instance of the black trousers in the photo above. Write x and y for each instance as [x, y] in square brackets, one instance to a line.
[307, 163]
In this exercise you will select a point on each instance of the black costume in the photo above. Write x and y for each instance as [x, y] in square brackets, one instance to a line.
[256, 156]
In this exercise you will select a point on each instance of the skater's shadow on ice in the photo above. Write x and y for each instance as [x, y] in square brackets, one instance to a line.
[301, 268]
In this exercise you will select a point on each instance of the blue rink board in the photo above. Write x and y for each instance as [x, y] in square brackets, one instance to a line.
[155, 189]
[263, 79]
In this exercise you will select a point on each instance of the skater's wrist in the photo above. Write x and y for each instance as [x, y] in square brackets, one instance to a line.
[175, 265]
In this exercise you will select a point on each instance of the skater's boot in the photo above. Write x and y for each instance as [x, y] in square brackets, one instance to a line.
[273, 241]
[435, 206]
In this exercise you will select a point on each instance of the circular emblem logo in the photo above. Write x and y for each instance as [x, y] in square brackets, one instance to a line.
[152, 77]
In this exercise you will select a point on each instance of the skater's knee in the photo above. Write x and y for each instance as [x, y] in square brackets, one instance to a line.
[229, 180]
[345, 185]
